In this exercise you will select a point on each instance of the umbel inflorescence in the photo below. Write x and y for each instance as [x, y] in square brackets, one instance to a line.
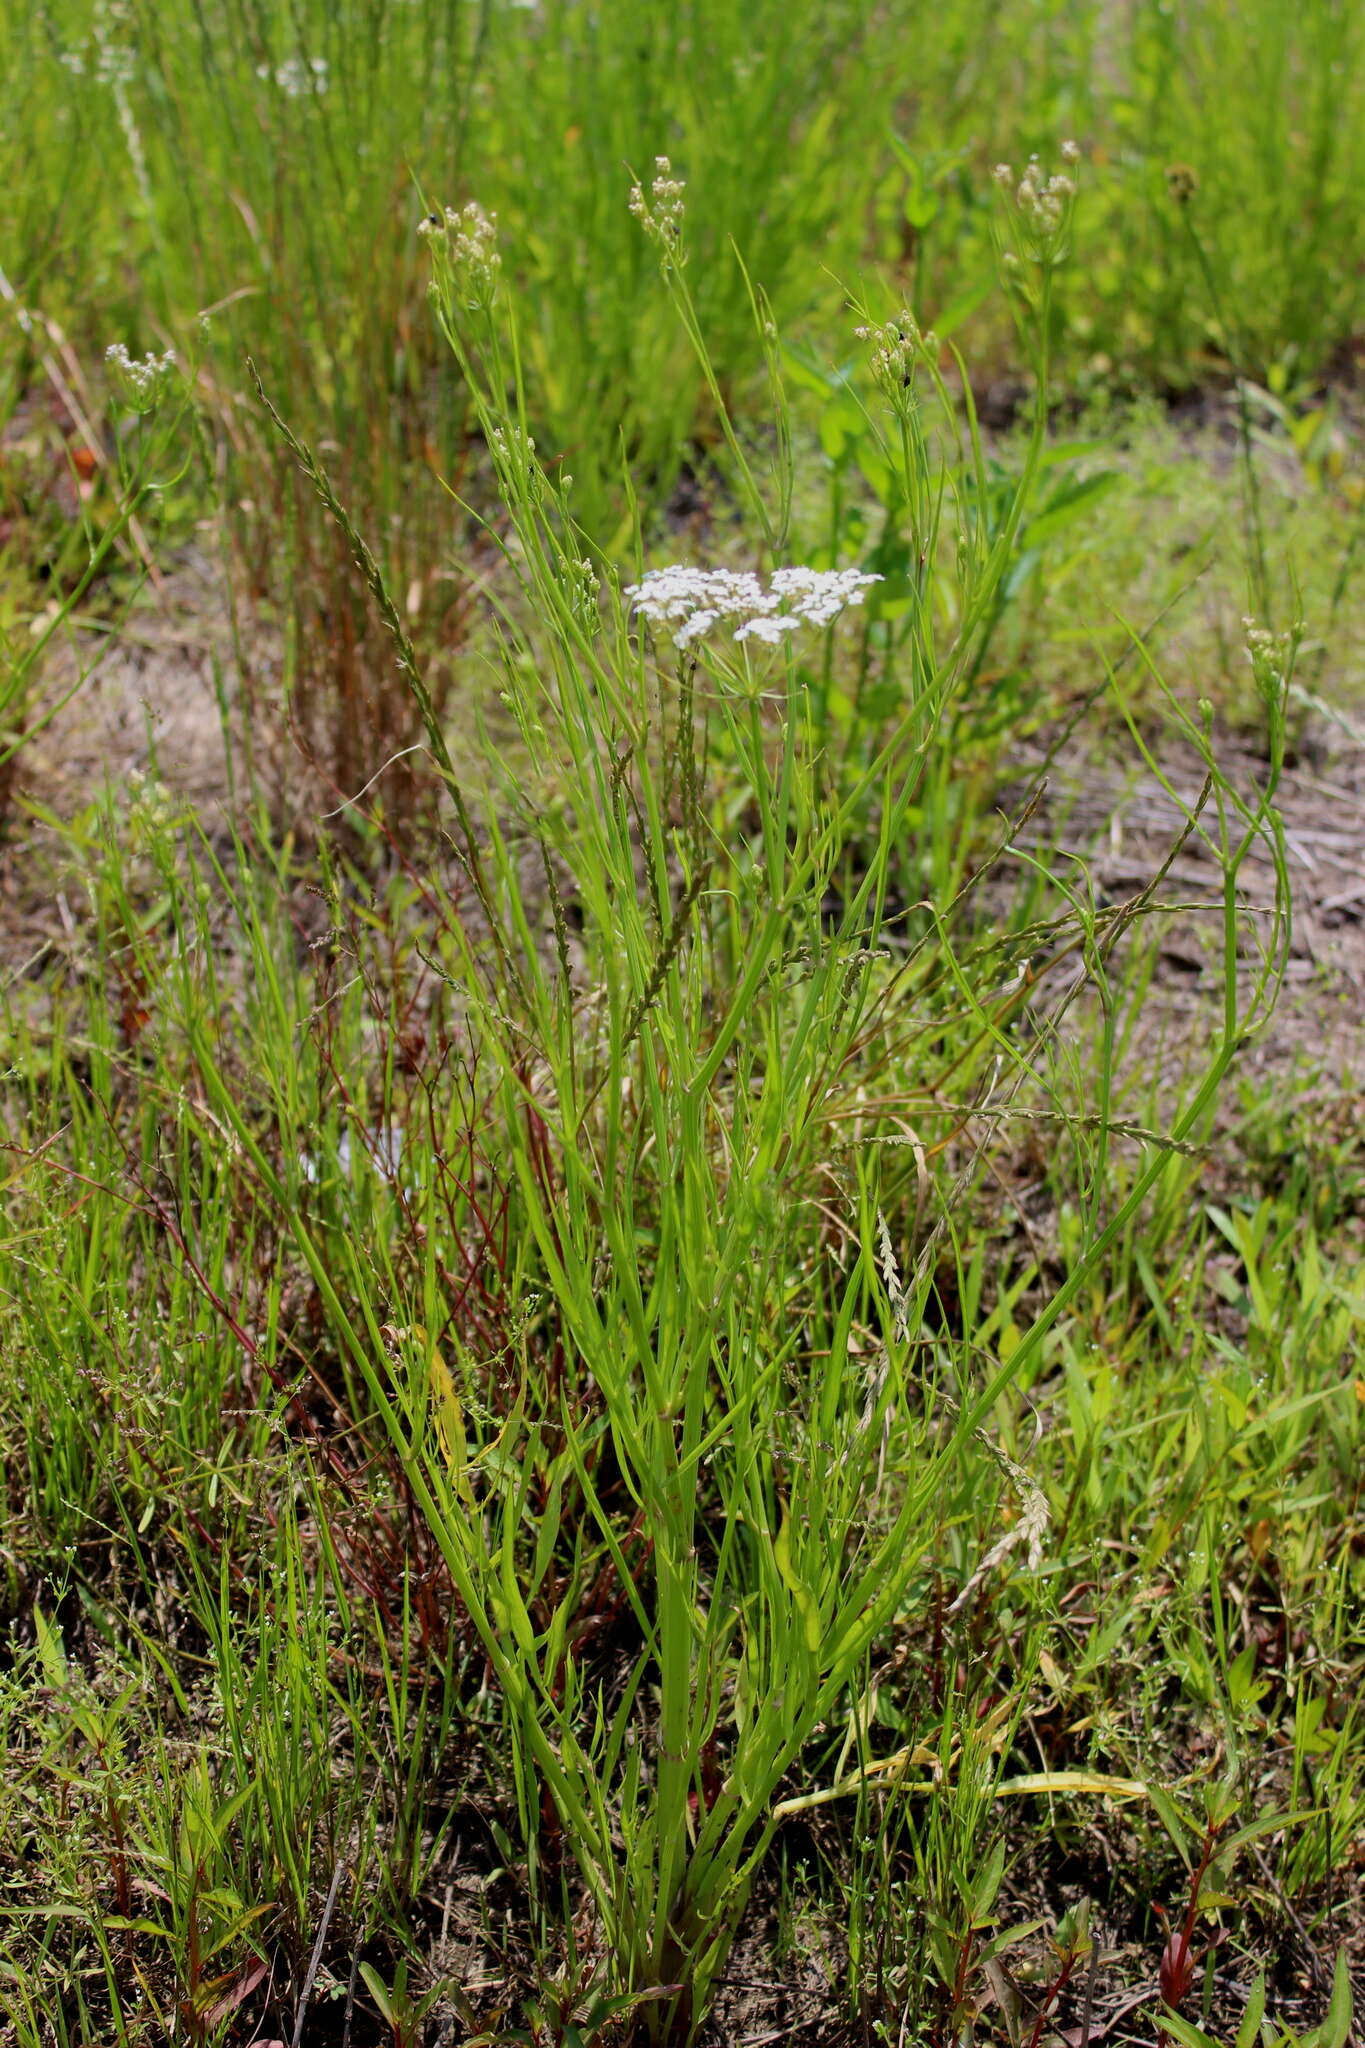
[464, 246]
[139, 380]
[690, 601]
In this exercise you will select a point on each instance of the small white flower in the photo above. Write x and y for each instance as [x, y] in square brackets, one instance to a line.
[1270, 654]
[693, 628]
[769, 628]
[140, 380]
[661, 213]
[898, 347]
[1042, 203]
[464, 244]
[692, 601]
[115, 63]
[297, 75]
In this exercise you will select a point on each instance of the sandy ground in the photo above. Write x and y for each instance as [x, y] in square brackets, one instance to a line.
[1124, 825]
[149, 704]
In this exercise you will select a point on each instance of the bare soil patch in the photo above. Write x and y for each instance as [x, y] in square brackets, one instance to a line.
[1122, 827]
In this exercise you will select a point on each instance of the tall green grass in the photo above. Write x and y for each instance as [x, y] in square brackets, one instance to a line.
[645, 1302]
[267, 169]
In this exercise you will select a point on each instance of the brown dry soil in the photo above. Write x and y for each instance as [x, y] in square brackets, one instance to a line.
[151, 707]
[1123, 826]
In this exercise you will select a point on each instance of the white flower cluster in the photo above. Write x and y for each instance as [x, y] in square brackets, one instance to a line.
[691, 601]
[115, 63]
[514, 455]
[1042, 201]
[581, 587]
[897, 345]
[464, 243]
[114, 34]
[150, 808]
[661, 214]
[1270, 654]
[511, 446]
[297, 75]
[140, 379]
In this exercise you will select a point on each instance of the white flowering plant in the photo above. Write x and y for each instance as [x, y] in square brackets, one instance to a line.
[297, 77]
[465, 262]
[690, 602]
[1038, 212]
[682, 1063]
[139, 382]
[660, 212]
